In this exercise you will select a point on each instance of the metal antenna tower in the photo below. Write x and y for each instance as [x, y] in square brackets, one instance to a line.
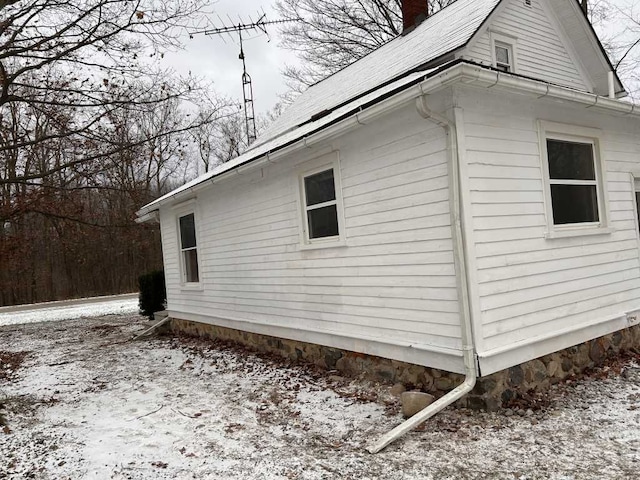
[247, 86]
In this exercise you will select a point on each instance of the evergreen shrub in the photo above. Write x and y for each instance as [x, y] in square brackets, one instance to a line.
[153, 293]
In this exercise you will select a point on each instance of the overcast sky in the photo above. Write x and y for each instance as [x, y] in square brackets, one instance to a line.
[216, 57]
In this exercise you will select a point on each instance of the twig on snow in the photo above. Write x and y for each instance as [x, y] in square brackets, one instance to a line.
[59, 363]
[150, 413]
[197, 415]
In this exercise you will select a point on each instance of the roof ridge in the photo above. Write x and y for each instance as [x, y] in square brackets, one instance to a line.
[388, 42]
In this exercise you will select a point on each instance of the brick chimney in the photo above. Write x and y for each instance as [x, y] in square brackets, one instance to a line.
[414, 12]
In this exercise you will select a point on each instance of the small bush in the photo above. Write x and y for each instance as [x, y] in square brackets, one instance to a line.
[153, 293]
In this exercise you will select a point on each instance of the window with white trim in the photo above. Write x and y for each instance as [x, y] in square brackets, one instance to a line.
[189, 248]
[504, 56]
[574, 180]
[503, 52]
[321, 205]
[320, 202]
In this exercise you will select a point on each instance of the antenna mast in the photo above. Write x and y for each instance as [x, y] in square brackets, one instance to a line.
[247, 86]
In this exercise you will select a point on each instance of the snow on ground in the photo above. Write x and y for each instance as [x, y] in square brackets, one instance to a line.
[88, 403]
[60, 311]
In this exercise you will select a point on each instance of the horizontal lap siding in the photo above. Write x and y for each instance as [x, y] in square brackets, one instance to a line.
[395, 279]
[531, 286]
[540, 52]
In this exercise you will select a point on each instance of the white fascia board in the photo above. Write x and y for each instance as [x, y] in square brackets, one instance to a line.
[593, 40]
[460, 73]
[152, 216]
[486, 25]
[568, 45]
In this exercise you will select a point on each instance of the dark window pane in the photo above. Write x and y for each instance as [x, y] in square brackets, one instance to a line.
[191, 265]
[187, 231]
[570, 161]
[638, 206]
[574, 204]
[323, 222]
[320, 188]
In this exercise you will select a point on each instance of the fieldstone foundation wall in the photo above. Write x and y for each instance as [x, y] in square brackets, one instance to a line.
[491, 392]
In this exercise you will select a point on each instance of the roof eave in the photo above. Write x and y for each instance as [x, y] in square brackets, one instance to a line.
[461, 71]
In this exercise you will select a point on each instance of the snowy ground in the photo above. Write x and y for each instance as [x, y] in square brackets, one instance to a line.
[82, 401]
[56, 311]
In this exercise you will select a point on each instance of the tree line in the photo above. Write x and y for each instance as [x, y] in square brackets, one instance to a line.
[91, 128]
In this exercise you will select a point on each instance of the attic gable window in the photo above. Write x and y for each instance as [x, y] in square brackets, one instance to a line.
[503, 52]
[574, 180]
[504, 56]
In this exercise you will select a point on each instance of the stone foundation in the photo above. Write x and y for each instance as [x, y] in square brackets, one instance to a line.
[491, 392]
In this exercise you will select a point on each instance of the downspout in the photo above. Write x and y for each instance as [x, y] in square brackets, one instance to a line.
[468, 347]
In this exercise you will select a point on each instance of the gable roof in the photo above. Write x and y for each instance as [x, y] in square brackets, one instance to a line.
[574, 22]
[439, 35]
[407, 60]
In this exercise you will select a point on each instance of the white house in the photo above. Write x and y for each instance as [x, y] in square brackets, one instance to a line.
[463, 198]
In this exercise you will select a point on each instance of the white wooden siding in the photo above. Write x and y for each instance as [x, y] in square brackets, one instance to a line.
[393, 282]
[540, 50]
[531, 286]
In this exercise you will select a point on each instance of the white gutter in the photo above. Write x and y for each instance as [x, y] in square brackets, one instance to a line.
[460, 73]
[152, 216]
[468, 347]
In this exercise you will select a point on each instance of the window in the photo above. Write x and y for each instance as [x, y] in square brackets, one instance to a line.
[574, 186]
[189, 250]
[503, 51]
[636, 190]
[504, 55]
[321, 205]
[574, 183]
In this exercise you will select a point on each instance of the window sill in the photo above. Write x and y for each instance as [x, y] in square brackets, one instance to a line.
[192, 287]
[327, 244]
[578, 232]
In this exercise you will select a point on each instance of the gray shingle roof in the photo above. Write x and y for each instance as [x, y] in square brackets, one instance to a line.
[440, 34]
[384, 70]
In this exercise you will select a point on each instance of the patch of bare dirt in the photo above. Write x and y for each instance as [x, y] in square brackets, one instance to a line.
[10, 362]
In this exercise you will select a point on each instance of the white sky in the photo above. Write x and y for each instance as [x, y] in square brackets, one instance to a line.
[216, 57]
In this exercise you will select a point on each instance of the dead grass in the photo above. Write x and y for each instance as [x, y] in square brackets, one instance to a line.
[10, 362]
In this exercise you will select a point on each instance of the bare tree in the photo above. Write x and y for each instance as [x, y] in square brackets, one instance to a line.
[618, 25]
[89, 131]
[331, 34]
[85, 55]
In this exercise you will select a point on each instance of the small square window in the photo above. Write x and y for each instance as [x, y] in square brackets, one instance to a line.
[188, 248]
